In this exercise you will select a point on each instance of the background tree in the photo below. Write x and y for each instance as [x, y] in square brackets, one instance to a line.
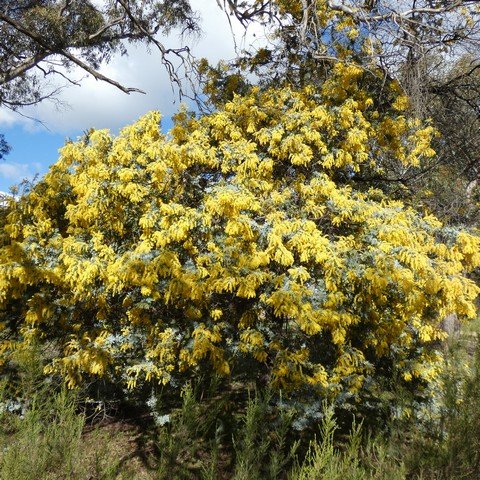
[4, 147]
[390, 34]
[43, 39]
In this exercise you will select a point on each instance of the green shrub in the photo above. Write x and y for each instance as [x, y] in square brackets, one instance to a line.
[446, 445]
[356, 460]
[44, 442]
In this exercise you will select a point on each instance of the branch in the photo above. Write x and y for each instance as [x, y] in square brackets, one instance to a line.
[163, 51]
[23, 67]
[340, 7]
[97, 74]
[456, 78]
[54, 71]
[100, 31]
[248, 14]
[15, 104]
[360, 14]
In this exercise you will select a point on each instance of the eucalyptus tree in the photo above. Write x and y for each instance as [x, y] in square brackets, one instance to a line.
[43, 39]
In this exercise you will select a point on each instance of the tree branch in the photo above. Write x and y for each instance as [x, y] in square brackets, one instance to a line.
[163, 51]
[39, 40]
[23, 67]
[360, 14]
[100, 31]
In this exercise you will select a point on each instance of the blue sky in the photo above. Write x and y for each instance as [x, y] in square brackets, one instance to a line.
[32, 153]
[98, 105]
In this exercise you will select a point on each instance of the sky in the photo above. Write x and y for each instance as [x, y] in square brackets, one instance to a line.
[98, 105]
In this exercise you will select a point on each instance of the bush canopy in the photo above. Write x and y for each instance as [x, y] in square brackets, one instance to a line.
[238, 243]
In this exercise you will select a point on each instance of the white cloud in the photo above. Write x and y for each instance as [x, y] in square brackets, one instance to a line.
[99, 105]
[7, 117]
[15, 172]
